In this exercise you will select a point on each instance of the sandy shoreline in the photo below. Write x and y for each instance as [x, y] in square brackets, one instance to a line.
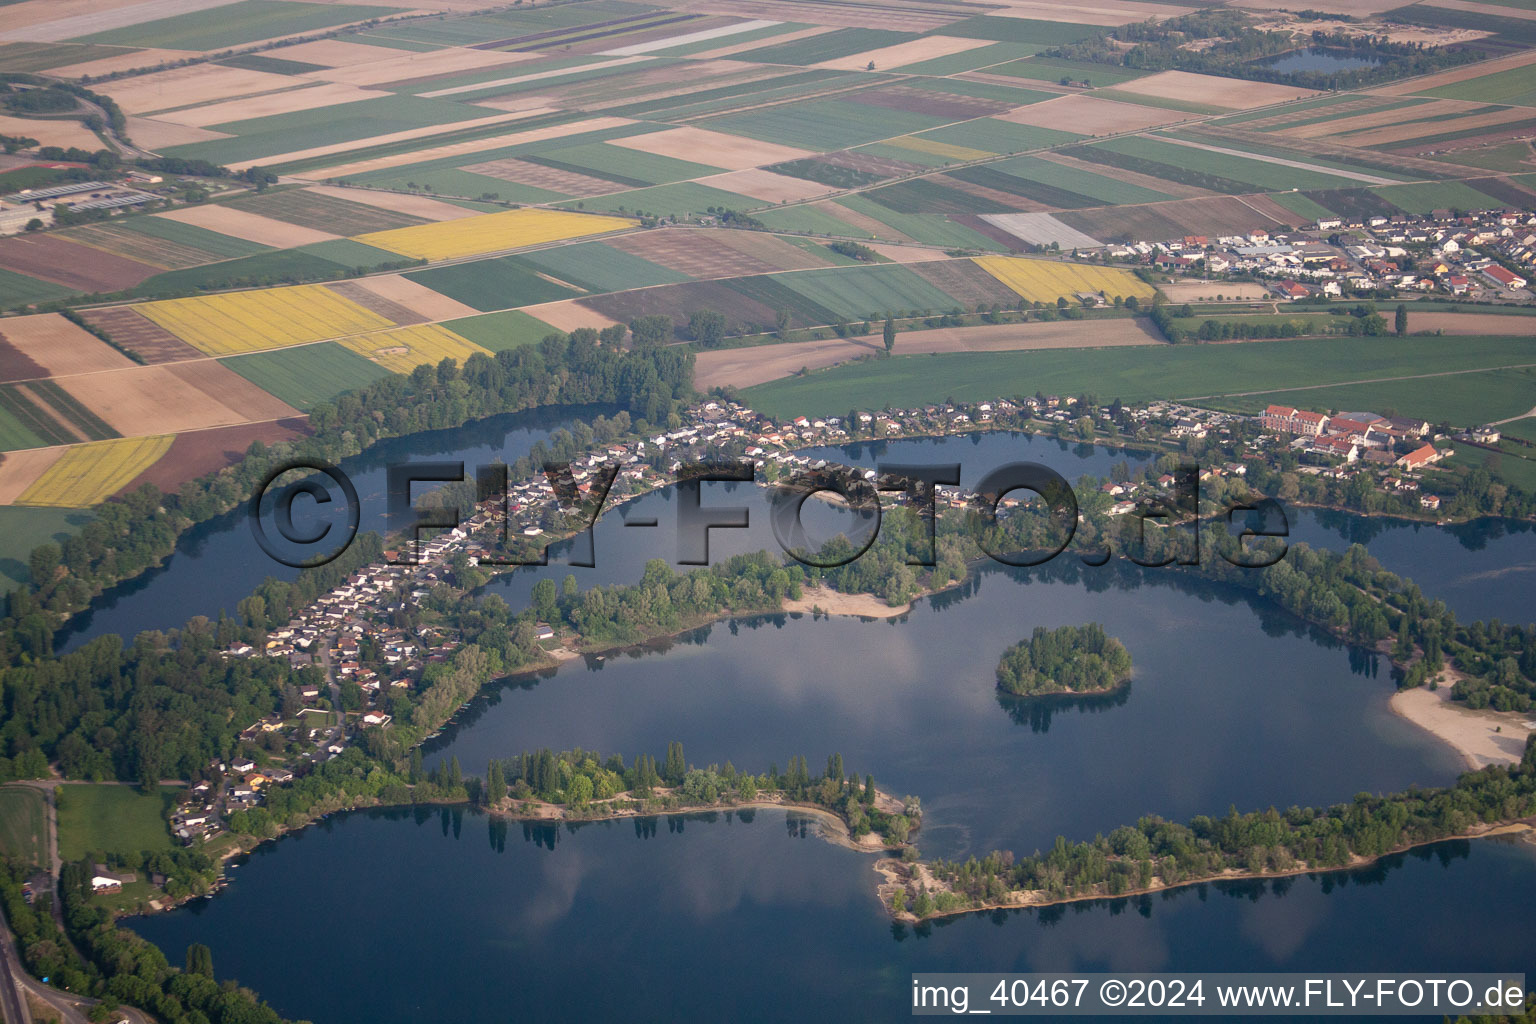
[833, 602]
[1481, 737]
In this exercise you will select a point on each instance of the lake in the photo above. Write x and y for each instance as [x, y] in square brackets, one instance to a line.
[1318, 58]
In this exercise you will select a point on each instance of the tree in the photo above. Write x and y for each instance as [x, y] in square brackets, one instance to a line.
[495, 784]
[1400, 322]
[890, 335]
[707, 327]
[676, 766]
[200, 960]
[544, 600]
[651, 330]
[35, 224]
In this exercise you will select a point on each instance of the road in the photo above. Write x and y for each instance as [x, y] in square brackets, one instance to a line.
[13, 1005]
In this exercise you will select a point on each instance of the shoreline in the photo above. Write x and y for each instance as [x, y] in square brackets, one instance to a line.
[834, 602]
[1481, 737]
[893, 874]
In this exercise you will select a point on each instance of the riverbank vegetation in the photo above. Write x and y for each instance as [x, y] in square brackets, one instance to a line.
[1156, 854]
[1070, 659]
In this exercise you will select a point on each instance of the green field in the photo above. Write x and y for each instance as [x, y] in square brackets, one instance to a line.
[1054, 69]
[677, 200]
[218, 245]
[25, 528]
[1301, 205]
[17, 290]
[112, 819]
[1140, 374]
[511, 328]
[323, 212]
[1516, 87]
[1462, 400]
[492, 284]
[601, 268]
[1032, 171]
[823, 125]
[809, 219]
[994, 136]
[308, 374]
[344, 252]
[244, 22]
[827, 46]
[23, 827]
[928, 228]
[863, 292]
[1267, 176]
[991, 57]
[1020, 30]
[621, 164]
[276, 266]
[1437, 195]
[42, 56]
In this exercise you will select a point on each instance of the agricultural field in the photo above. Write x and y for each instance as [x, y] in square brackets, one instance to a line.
[1047, 280]
[405, 348]
[23, 825]
[486, 285]
[108, 819]
[511, 328]
[493, 232]
[88, 474]
[867, 292]
[306, 375]
[324, 212]
[228, 324]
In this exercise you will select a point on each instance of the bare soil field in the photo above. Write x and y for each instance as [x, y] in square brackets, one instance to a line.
[1339, 126]
[860, 225]
[417, 298]
[910, 52]
[1089, 115]
[717, 149]
[1232, 93]
[20, 470]
[250, 226]
[200, 83]
[1353, 8]
[1198, 291]
[677, 301]
[16, 364]
[766, 185]
[67, 14]
[59, 132]
[161, 399]
[744, 367]
[555, 179]
[968, 283]
[1461, 74]
[196, 452]
[1488, 10]
[1408, 132]
[248, 401]
[74, 266]
[400, 315]
[136, 332]
[1218, 215]
[406, 135]
[1464, 323]
[707, 254]
[566, 315]
[155, 134]
[1098, 12]
[398, 202]
[405, 66]
[59, 346]
[930, 104]
[881, 165]
[559, 131]
[291, 100]
[908, 253]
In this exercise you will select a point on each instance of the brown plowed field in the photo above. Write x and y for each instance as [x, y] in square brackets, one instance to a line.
[418, 298]
[678, 301]
[373, 302]
[555, 179]
[1219, 215]
[717, 149]
[75, 266]
[881, 165]
[169, 398]
[566, 315]
[766, 186]
[57, 346]
[707, 254]
[20, 470]
[137, 333]
[1472, 323]
[967, 282]
[203, 451]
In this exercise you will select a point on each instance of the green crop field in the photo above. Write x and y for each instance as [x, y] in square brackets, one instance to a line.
[994, 136]
[810, 219]
[1108, 191]
[1465, 399]
[1020, 30]
[823, 125]
[1438, 195]
[1299, 204]
[771, 291]
[308, 374]
[677, 200]
[220, 246]
[276, 266]
[23, 827]
[344, 252]
[621, 164]
[323, 212]
[18, 290]
[601, 268]
[1267, 176]
[862, 292]
[1132, 374]
[22, 529]
[827, 46]
[42, 56]
[1053, 69]
[928, 228]
[16, 434]
[511, 328]
[1516, 87]
[243, 22]
[492, 284]
[112, 819]
[992, 57]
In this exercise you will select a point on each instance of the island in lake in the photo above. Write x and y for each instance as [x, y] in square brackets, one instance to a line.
[1077, 660]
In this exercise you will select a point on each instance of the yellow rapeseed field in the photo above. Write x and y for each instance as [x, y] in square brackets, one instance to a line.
[942, 149]
[405, 349]
[472, 236]
[255, 321]
[89, 474]
[1048, 280]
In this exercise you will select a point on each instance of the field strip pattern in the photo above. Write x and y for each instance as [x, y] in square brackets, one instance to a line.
[1369, 179]
[89, 474]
